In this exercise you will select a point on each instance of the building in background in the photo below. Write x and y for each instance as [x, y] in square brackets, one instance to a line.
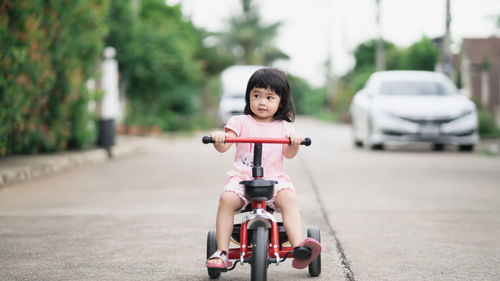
[480, 72]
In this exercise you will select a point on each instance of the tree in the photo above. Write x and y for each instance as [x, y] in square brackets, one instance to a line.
[163, 62]
[421, 55]
[364, 55]
[249, 40]
[307, 100]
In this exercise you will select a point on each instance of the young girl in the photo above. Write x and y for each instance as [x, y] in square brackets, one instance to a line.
[268, 112]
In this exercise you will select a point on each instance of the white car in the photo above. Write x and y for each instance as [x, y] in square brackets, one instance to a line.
[234, 84]
[413, 106]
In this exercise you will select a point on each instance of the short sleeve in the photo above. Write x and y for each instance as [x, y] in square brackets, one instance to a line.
[234, 124]
[288, 128]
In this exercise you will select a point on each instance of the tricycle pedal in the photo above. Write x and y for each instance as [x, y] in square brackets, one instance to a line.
[301, 253]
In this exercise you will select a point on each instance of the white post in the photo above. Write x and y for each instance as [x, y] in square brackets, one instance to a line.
[379, 49]
[447, 57]
[110, 104]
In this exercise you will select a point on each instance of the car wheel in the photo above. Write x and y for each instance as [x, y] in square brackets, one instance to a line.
[373, 146]
[438, 146]
[377, 146]
[358, 143]
[466, 147]
[354, 129]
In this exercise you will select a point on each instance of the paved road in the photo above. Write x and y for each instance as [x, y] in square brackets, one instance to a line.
[409, 213]
[402, 214]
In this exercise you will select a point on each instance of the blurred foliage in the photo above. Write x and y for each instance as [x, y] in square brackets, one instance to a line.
[364, 55]
[210, 98]
[487, 125]
[249, 40]
[421, 55]
[307, 100]
[49, 49]
[163, 62]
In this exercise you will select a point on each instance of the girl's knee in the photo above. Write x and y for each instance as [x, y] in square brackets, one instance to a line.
[285, 198]
[231, 199]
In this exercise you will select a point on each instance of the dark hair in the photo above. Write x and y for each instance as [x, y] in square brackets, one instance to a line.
[277, 81]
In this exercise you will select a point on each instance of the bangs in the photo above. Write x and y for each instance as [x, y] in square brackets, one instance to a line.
[266, 79]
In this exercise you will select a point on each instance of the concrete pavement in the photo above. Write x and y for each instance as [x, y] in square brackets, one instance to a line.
[408, 213]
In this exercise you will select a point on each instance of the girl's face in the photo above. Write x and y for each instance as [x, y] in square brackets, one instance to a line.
[264, 103]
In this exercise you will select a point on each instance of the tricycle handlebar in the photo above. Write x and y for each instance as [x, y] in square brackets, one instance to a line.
[207, 139]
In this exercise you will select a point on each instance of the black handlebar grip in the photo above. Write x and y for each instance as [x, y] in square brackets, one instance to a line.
[306, 142]
[207, 139]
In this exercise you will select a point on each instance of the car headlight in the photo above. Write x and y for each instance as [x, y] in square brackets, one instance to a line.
[466, 121]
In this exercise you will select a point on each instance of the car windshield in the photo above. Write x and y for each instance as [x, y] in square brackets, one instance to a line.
[413, 88]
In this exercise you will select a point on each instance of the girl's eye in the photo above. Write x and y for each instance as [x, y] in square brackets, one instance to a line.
[256, 96]
[270, 97]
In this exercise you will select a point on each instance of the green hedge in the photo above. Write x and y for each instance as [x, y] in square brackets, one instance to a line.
[487, 125]
[48, 50]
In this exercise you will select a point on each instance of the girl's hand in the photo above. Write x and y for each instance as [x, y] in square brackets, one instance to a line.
[295, 139]
[218, 136]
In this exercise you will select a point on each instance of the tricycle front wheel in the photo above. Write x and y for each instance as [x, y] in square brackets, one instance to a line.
[260, 257]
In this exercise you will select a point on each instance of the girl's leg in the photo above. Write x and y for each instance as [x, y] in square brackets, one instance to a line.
[286, 201]
[229, 203]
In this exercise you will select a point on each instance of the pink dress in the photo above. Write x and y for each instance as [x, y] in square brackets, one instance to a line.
[272, 155]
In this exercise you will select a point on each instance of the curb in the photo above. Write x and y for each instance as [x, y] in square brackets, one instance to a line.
[22, 168]
[489, 146]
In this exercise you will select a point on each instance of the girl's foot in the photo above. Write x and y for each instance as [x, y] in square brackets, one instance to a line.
[305, 253]
[219, 260]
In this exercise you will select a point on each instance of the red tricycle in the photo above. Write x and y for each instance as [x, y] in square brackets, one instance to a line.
[262, 240]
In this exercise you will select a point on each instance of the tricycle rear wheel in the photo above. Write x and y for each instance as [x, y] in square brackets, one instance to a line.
[260, 256]
[211, 248]
[315, 265]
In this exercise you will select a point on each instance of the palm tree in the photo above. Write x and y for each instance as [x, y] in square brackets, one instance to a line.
[250, 40]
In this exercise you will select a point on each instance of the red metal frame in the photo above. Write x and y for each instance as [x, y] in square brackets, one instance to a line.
[274, 245]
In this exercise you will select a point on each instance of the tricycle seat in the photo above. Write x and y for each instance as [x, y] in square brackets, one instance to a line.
[259, 189]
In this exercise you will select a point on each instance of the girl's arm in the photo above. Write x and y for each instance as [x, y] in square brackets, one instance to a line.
[290, 150]
[219, 138]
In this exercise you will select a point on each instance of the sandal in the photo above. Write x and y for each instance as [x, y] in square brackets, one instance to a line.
[221, 255]
[305, 253]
